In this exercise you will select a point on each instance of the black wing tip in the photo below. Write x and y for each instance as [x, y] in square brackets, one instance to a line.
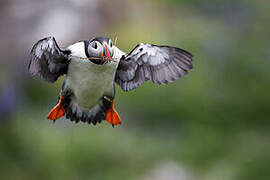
[185, 52]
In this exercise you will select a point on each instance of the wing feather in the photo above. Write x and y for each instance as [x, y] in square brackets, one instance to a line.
[160, 64]
[47, 60]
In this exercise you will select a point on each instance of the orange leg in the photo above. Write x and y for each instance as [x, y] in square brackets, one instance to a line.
[58, 111]
[112, 116]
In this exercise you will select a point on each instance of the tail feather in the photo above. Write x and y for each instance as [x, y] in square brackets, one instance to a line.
[96, 115]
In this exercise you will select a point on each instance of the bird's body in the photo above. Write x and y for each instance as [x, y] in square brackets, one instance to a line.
[88, 82]
[92, 67]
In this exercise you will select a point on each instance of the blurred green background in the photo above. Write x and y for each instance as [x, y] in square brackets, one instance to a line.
[210, 125]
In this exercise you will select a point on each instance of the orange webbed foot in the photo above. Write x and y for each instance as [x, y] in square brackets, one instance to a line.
[112, 116]
[58, 111]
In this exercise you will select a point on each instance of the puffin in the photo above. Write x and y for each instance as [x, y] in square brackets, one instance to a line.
[93, 67]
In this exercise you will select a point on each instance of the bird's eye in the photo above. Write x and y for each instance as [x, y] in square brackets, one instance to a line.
[94, 49]
[94, 45]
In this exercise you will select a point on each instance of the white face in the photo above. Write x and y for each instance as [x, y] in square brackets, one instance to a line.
[77, 49]
[94, 51]
[98, 49]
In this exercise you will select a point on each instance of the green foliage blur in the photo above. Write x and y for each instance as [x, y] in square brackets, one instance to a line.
[211, 124]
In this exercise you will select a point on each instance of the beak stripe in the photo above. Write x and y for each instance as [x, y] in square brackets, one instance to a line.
[107, 53]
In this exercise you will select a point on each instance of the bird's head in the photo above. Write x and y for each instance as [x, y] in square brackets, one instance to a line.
[98, 50]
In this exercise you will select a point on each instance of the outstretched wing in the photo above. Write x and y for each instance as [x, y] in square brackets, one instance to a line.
[160, 64]
[47, 60]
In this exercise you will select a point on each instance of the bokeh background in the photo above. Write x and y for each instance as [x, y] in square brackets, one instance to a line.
[210, 125]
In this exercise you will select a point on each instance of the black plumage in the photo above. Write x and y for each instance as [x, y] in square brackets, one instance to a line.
[96, 115]
[47, 60]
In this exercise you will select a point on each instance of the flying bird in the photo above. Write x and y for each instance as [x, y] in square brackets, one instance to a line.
[92, 67]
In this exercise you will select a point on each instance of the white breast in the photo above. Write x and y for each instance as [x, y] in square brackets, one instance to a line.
[89, 81]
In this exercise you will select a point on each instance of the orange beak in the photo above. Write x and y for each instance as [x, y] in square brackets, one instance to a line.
[107, 52]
